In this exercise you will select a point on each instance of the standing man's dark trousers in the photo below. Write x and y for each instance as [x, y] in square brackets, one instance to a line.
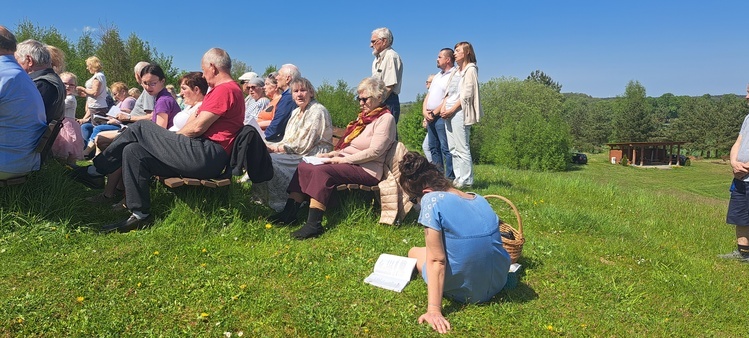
[394, 105]
[145, 149]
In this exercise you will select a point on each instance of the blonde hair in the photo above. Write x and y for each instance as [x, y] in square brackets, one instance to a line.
[70, 75]
[118, 87]
[56, 58]
[134, 92]
[95, 63]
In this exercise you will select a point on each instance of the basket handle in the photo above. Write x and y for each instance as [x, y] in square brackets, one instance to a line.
[514, 208]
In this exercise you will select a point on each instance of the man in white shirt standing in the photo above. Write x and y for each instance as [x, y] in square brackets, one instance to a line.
[436, 133]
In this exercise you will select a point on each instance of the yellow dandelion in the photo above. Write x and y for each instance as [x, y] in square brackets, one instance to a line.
[268, 226]
[138, 284]
[204, 250]
[243, 286]
[327, 277]
[80, 299]
[202, 265]
[204, 315]
[583, 325]
[549, 327]
[155, 253]
[19, 320]
[366, 330]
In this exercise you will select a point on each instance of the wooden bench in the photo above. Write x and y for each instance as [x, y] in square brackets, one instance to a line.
[12, 181]
[174, 182]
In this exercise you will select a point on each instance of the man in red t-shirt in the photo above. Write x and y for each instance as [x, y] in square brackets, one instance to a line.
[201, 149]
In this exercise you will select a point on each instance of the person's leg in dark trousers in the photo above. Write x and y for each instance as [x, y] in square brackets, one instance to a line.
[394, 105]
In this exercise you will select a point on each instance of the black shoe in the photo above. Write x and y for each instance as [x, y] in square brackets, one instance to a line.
[308, 231]
[130, 224]
[288, 215]
[81, 175]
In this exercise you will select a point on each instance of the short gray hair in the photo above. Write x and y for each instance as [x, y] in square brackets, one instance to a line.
[372, 87]
[291, 70]
[36, 50]
[219, 58]
[384, 33]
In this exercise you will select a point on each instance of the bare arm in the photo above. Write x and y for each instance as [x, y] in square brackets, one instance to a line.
[95, 87]
[427, 114]
[435, 265]
[197, 124]
[740, 169]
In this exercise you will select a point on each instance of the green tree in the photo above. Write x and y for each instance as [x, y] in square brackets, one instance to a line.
[633, 120]
[339, 100]
[522, 127]
[238, 68]
[540, 77]
[270, 69]
[112, 53]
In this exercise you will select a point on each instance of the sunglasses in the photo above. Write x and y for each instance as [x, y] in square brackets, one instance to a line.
[363, 99]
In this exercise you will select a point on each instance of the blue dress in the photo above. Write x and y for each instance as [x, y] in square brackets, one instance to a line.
[477, 264]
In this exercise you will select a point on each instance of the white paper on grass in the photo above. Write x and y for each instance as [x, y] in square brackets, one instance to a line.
[392, 272]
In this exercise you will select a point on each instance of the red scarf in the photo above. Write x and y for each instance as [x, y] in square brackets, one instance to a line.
[355, 127]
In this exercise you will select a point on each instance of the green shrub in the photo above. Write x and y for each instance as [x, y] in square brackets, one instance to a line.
[410, 131]
[340, 102]
[522, 126]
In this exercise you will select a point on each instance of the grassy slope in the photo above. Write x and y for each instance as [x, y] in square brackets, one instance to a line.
[610, 251]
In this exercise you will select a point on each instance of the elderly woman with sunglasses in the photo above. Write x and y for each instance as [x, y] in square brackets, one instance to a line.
[358, 158]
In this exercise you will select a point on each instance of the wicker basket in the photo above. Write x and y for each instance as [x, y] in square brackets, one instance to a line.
[513, 246]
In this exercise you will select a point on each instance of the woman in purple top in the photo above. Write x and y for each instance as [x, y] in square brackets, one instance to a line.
[165, 106]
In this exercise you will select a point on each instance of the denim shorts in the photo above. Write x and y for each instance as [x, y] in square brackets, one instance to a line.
[738, 206]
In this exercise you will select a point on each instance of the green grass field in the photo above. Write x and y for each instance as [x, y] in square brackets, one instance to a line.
[611, 251]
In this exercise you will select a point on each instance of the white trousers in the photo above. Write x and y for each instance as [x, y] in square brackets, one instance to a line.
[458, 137]
[425, 148]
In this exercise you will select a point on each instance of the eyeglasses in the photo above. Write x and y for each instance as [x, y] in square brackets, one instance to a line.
[363, 99]
[70, 85]
[255, 87]
[243, 82]
[150, 84]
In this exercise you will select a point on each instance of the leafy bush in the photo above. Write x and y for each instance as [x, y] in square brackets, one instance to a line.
[340, 102]
[522, 127]
[410, 131]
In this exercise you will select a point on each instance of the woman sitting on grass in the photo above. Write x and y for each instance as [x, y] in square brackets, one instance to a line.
[358, 158]
[463, 259]
[309, 132]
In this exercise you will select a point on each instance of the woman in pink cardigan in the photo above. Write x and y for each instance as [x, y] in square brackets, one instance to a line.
[358, 158]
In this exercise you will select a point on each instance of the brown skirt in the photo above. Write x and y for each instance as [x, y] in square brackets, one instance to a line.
[319, 181]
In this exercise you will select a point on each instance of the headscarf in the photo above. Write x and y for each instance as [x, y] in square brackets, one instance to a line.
[355, 127]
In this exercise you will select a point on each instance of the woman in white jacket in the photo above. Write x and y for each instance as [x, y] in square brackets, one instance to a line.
[462, 108]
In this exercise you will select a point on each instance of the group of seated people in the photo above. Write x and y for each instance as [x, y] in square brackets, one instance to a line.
[152, 136]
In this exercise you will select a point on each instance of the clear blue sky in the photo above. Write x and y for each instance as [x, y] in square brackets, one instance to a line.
[593, 47]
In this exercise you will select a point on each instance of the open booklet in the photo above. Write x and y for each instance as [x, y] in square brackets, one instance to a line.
[392, 272]
[315, 160]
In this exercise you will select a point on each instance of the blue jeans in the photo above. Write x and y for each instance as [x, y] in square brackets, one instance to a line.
[100, 128]
[86, 130]
[438, 147]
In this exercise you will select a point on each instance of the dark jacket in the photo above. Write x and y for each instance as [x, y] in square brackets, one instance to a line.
[250, 153]
[52, 89]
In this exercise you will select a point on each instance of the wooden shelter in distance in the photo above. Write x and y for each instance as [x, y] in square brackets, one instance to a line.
[644, 153]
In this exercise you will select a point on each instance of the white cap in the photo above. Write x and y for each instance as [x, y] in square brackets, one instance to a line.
[248, 76]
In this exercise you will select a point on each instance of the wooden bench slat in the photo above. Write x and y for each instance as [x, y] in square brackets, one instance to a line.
[191, 181]
[173, 182]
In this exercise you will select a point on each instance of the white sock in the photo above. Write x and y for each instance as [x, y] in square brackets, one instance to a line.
[140, 215]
